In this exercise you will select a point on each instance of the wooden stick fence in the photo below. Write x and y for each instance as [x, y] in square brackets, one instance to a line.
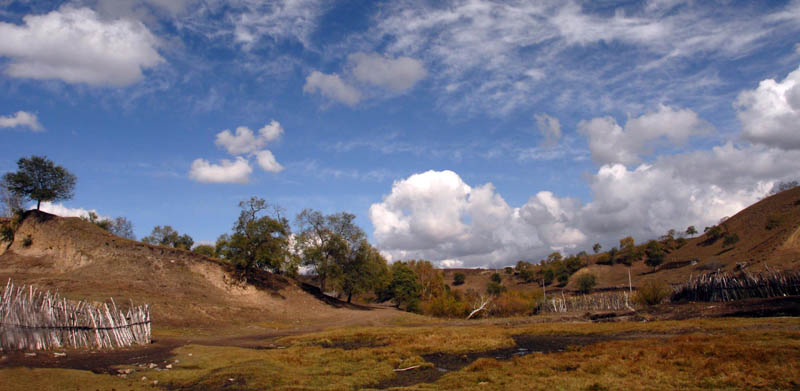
[729, 287]
[613, 301]
[35, 320]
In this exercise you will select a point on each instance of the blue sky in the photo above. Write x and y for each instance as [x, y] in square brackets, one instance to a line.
[471, 133]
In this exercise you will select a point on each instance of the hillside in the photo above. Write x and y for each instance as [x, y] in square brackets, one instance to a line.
[184, 289]
[768, 232]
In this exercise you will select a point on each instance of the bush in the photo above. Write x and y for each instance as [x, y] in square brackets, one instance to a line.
[509, 270]
[730, 240]
[27, 241]
[449, 304]
[459, 278]
[652, 293]
[497, 278]
[773, 221]
[604, 259]
[495, 288]
[513, 303]
[586, 282]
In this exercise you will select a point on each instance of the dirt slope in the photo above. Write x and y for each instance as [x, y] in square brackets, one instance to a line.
[81, 260]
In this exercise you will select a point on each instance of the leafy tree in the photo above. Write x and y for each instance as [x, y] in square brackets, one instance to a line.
[326, 242]
[586, 282]
[205, 249]
[654, 253]
[363, 271]
[429, 277]
[508, 270]
[596, 248]
[168, 237]
[39, 179]
[258, 241]
[691, 231]
[459, 278]
[549, 276]
[123, 228]
[497, 278]
[404, 288]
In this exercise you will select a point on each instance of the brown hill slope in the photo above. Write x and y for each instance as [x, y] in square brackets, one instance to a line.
[768, 232]
[81, 260]
[769, 237]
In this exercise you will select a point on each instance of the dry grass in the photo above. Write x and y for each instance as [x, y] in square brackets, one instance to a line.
[695, 354]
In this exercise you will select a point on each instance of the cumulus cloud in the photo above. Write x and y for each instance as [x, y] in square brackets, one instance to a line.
[77, 46]
[770, 114]
[332, 87]
[266, 160]
[59, 209]
[550, 128]
[245, 141]
[21, 119]
[610, 143]
[435, 215]
[396, 74]
[237, 171]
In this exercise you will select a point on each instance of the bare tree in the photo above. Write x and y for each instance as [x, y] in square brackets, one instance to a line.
[9, 202]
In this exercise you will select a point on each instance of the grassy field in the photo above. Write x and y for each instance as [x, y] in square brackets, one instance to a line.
[733, 353]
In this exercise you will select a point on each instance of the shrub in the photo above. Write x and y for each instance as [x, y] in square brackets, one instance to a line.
[509, 270]
[586, 282]
[604, 259]
[27, 241]
[773, 221]
[655, 254]
[459, 278]
[6, 233]
[512, 303]
[495, 288]
[497, 278]
[730, 240]
[449, 304]
[652, 292]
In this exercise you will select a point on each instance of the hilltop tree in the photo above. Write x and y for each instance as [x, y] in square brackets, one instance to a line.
[691, 231]
[39, 179]
[260, 238]
[597, 247]
[168, 237]
[459, 278]
[205, 249]
[123, 228]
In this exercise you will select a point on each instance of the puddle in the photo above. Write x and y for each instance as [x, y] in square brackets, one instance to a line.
[524, 345]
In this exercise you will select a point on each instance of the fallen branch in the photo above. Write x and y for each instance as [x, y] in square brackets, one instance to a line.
[481, 308]
[407, 369]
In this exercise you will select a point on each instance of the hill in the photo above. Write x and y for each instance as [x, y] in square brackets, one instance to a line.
[768, 235]
[184, 289]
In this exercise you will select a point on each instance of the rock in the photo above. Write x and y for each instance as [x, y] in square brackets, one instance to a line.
[144, 378]
[30, 354]
[169, 366]
[57, 354]
[155, 382]
[151, 366]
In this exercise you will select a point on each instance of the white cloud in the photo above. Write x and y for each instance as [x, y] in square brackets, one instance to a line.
[245, 141]
[21, 119]
[266, 160]
[76, 46]
[610, 143]
[227, 171]
[396, 74]
[332, 87]
[59, 209]
[550, 128]
[279, 20]
[435, 215]
[493, 56]
[770, 114]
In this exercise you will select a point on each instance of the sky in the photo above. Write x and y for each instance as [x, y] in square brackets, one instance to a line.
[469, 133]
